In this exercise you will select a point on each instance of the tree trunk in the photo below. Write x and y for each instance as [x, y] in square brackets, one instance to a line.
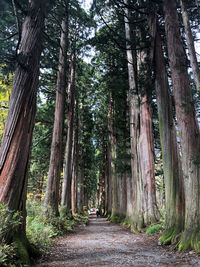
[67, 180]
[75, 159]
[190, 43]
[112, 156]
[109, 155]
[52, 191]
[174, 191]
[134, 207]
[80, 177]
[146, 149]
[16, 143]
[103, 175]
[146, 140]
[187, 125]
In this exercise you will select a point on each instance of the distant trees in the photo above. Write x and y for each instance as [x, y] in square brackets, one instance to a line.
[132, 105]
[145, 48]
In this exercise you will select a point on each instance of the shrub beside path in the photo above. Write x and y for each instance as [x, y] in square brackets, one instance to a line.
[103, 243]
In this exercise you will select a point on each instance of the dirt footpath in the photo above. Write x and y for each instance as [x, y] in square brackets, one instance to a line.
[102, 243]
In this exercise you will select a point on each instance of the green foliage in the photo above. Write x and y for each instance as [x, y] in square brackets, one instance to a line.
[126, 222]
[116, 218]
[38, 229]
[196, 160]
[5, 92]
[8, 254]
[153, 229]
[169, 236]
[21, 243]
[9, 221]
[41, 230]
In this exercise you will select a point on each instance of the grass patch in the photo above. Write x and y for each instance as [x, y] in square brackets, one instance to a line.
[116, 218]
[153, 229]
[41, 230]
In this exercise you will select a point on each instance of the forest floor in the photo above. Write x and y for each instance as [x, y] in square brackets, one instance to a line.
[103, 243]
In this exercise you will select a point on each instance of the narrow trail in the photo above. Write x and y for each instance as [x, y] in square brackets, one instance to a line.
[102, 243]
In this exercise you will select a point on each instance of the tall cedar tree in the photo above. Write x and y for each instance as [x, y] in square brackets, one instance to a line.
[66, 189]
[174, 189]
[55, 165]
[134, 204]
[187, 125]
[15, 148]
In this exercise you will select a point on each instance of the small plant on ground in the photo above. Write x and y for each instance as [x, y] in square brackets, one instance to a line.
[41, 229]
[9, 222]
[153, 229]
[125, 222]
[116, 218]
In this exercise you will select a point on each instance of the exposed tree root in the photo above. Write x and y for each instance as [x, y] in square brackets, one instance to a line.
[190, 240]
[170, 236]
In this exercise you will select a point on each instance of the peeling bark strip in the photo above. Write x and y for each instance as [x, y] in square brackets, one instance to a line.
[52, 192]
[186, 116]
[15, 148]
[174, 191]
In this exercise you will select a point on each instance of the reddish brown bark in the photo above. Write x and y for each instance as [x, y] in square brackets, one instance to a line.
[186, 117]
[146, 149]
[55, 165]
[67, 180]
[15, 148]
[174, 191]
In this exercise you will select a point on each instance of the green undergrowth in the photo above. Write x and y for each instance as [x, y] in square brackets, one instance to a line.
[116, 218]
[126, 222]
[40, 232]
[10, 249]
[152, 229]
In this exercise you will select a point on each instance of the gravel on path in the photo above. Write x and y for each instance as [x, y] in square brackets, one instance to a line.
[103, 243]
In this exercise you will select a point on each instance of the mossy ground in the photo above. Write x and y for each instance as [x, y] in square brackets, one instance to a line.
[190, 240]
[22, 245]
[169, 236]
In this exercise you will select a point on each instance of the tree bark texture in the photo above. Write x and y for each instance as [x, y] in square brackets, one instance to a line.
[112, 155]
[103, 174]
[66, 189]
[173, 176]
[55, 165]
[190, 43]
[186, 117]
[146, 139]
[75, 160]
[16, 143]
[109, 156]
[134, 206]
[80, 175]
